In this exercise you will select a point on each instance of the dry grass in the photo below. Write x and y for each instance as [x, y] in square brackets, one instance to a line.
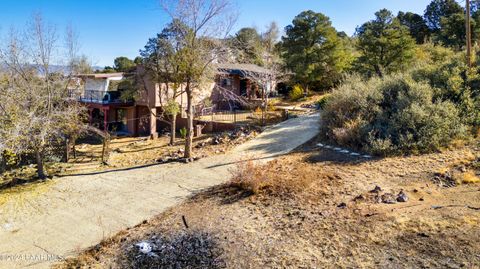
[258, 179]
[468, 177]
[292, 218]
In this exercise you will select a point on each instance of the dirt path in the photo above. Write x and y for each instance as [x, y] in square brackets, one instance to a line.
[75, 212]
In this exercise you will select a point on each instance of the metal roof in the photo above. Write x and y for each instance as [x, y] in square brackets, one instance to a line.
[101, 75]
[233, 68]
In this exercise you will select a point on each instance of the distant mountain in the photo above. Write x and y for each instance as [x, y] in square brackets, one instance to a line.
[58, 68]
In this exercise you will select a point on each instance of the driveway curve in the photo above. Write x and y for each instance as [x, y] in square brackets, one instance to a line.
[76, 212]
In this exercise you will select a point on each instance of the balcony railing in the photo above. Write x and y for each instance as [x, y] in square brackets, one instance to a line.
[103, 97]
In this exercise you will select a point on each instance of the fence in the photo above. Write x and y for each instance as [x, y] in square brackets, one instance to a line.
[225, 116]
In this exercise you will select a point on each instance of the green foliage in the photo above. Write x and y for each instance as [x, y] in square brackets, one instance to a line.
[248, 45]
[183, 132]
[453, 32]
[172, 108]
[138, 60]
[385, 45]
[439, 9]
[123, 64]
[9, 157]
[207, 102]
[127, 89]
[313, 52]
[394, 115]
[416, 25]
[321, 104]
[447, 73]
[296, 93]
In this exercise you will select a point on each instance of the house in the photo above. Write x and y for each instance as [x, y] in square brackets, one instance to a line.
[110, 108]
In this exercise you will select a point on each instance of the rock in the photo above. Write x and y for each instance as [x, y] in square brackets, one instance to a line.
[377, 189]
[402, 197]
[342, 205]
[388, 198]
[359, 198]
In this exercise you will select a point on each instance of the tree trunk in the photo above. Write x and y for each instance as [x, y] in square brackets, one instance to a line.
[189, 138]
[173, 128]
[74, 148]
[66, 154]
[105, 149]
[40, 169]
[3, 163]
[378, 70]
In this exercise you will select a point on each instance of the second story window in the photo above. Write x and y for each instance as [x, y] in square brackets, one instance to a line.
[226, 82]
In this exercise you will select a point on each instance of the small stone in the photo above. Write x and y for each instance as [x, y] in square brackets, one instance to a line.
[377, 189]
[358, 198]
[402, 197]
[388, 198]
[342, 205]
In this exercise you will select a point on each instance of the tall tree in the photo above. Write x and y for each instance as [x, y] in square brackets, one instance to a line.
[438, 9]
[205, 22]
[162, 61]
[385, 45]
[416, 25]
[247, 43]
[313, 52]
[270, 37]
[123, 64]
[453, 32]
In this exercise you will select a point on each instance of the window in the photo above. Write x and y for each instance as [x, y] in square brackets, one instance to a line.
[226, 82]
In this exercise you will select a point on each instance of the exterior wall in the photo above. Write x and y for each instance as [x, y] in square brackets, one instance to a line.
[131, 120]
[96, 84]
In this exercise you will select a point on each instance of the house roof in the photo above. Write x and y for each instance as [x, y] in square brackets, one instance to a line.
[102, 75]
[238, 68]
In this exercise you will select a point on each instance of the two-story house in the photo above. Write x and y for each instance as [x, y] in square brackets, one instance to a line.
[110, 109]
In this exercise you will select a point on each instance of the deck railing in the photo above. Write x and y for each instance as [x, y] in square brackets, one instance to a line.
[103, 97]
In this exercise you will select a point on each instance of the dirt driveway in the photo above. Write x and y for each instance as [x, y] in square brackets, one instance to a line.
[71, 213]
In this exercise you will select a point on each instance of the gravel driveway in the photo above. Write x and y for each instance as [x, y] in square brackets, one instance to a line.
[76, 212]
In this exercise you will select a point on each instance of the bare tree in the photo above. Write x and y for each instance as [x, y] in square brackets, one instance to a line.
[36, 110]
[205, 22]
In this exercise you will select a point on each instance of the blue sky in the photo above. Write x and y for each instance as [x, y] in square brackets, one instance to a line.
[111, 28]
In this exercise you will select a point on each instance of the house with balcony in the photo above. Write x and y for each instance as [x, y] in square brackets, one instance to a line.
[112, 110]
[107, 108]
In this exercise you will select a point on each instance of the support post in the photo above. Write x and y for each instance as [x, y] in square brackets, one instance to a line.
[90, 116]
[153, 123]
[105, 120]
[468, 34]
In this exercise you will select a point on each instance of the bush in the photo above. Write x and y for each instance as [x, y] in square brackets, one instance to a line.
[296, 93]
[394, 115]
[183, 132]
[323, 101]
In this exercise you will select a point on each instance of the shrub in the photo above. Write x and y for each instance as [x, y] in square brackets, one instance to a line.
[394, 115]
[323, 101]
[183, 132]
[259, 179]
[296, 93]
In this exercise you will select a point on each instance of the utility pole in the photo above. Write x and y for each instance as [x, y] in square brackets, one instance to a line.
[469, 35]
